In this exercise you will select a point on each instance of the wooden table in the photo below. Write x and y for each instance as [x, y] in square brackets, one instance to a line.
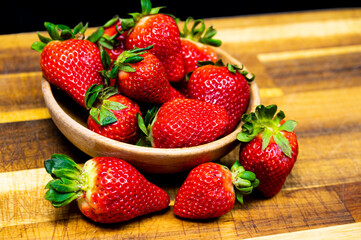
[308, 63]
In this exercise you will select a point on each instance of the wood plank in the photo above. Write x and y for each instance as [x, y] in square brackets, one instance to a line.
[21, 91]
[314, 69]
[25, 145]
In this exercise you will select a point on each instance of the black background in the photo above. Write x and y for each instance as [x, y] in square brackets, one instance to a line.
[29, 16]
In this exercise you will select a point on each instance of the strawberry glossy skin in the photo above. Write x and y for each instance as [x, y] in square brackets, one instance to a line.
[188, 122]
[148, 83]
[194, 52]
[72, 65]
[207, 192]
[217, 85]
[125, 129]
[119, 192]
[161, 31]
[271, 165]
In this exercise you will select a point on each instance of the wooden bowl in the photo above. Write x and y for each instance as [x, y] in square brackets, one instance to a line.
[71, 121]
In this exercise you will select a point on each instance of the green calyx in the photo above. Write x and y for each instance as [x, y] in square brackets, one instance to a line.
[145, 125]
[231, 67]
[100, 108]
[59, 32]
[130, 56]
[68, 181]
[243, 181]
[199, 33]
[264, 121]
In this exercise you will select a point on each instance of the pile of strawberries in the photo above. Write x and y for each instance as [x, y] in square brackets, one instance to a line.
[145, 81]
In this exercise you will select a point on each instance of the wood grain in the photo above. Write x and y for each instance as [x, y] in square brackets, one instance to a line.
[308, 63]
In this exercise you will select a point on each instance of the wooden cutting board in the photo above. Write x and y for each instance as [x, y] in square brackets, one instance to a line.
[308, 63]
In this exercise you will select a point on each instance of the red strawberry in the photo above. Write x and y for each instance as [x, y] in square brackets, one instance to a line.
[196, 44]
[107, 189]
[114, 116]
[70, 64]
[208, 190]
[270, 147]
[142, 77]
[186, 122]
[223, 85]
[160, 30]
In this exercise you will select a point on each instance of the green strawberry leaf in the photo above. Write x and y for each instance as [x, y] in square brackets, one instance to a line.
[95, 36]
[133, 59]
[43, 39]
[141, 124]
[60, 161]
[111, 105]
[38, 46]
[53, 30]
[105, 58]
[61, 186]
[91, 95]
[54, 196]
[106, 116]
[283, 144]
[94, 113]
[66, 173]
[111, 22]
[288, 126]
[266, 137]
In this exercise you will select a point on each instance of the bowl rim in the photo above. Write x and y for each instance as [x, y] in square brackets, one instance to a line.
[219, 143]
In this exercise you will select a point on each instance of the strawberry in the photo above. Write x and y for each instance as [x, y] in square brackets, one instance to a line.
[184, 122]
[153, 28]
[196, 44]
[210, 190]
[224, 85]
[142, 77]
[269, 147]
[68, 63]
[114, 116]
[107, 189]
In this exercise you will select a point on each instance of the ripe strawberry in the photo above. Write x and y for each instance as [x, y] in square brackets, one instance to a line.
[70, 64]
[107, 189]
[114, 116]
[142, 77]
[270, 147]
[223, 85]
[196, 44]
[208, 191]
[153, 28]
[186, 122]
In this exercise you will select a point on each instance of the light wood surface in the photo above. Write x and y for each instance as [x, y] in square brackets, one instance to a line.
[308, 63]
